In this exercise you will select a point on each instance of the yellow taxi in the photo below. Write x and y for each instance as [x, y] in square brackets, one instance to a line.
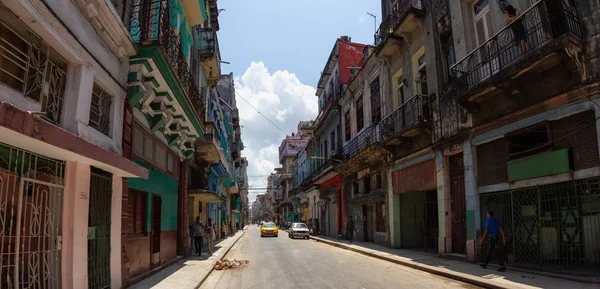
[269, 229]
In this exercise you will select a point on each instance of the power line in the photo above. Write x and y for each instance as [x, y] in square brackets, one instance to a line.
[252, 106]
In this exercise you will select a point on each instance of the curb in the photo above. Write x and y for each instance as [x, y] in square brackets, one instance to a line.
[222, 257]
[427, 269]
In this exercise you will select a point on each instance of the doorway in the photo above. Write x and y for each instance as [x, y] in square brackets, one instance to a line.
[155, 241]
[368, 223]
[99, 229]
[458, 206]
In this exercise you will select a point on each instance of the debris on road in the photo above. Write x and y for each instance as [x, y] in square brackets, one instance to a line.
[227, 264]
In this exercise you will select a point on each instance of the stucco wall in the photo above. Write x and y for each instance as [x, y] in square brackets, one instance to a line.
[165, 186]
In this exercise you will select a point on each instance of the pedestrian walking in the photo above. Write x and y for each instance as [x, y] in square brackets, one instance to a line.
[198, 230]
[350, 229]
[493, 231]
[209, 233]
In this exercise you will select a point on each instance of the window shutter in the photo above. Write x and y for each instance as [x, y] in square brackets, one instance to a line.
[491, 163]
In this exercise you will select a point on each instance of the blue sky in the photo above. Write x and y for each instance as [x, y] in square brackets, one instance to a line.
[292, 35]
[277, 49]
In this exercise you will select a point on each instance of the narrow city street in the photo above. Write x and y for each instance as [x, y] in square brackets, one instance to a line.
[298, 263]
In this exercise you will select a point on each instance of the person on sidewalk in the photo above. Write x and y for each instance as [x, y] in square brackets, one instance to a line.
[493, 231]
[350, 228]
[209, 233]
[198, 229]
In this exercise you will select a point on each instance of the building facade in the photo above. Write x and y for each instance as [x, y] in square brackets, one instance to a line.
[288, 153]
[365, 160]
[63, 82]
[517, 130]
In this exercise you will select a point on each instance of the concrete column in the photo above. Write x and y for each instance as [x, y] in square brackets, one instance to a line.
[597, 114]
[115, 232]
[472, 199]
[76, 204]
[394, 212]
[78, 97]
[444, 206]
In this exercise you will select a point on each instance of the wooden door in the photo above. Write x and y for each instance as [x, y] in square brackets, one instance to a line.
[458, 206]
[156, 215]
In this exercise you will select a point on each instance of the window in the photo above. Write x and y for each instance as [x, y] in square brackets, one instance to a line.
[137, 211]
[347, 133]
[360, 116]
[448, 55]
[421, 81]
[30, 66]
[482, 21]
[401, 98]
[332, 135]
[380, 217]
[170, 162]
[375, 102]
[138, 140]
[100, 110]
[199, 207]
[148, 147]
[356, 188]
[529, 141]
[161, 157]
[378, 182]
[367, 184]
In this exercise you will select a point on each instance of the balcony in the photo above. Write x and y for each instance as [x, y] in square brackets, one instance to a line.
[552, 35]
[161, 59]
[368, 137]
[407, 121]
[363, 149]
[403, 21]
[207, 44]
[208, 146]
[235, 116]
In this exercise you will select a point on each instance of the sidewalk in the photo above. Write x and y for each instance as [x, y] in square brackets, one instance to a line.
[189, 273]
[458, 270]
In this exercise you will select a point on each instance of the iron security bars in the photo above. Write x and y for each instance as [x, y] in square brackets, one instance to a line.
[152, 24]
[539, 26]
[552, 226]
[30, 66]
[414, 111]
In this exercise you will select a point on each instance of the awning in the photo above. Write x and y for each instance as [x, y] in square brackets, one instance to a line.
[206, 195]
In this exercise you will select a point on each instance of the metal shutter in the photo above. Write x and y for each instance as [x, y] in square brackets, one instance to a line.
[491, 163]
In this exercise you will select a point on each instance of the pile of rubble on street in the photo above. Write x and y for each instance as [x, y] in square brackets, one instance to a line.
[227, 264]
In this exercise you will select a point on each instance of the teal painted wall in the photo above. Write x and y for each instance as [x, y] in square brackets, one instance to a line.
[165, 186]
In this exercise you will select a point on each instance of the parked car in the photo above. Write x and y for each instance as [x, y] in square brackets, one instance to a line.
[269, 229]
[298, 230]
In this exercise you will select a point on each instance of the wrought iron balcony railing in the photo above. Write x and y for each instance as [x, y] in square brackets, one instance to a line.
[538, 27]
[368, 137]
[153, 25]
[400, 10]
[207, 42]
[409, 115]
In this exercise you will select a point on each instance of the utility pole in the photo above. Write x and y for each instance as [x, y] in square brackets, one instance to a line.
[374, 23]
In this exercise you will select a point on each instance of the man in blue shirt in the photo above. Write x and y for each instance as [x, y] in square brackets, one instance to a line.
[493, 231]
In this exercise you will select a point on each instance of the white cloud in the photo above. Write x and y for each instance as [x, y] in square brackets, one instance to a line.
[281, 97]
[361, 19]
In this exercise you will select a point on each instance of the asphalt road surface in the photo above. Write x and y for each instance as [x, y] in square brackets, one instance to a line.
[280, 262]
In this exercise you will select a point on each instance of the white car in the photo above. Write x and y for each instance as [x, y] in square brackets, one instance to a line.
[298, 230]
